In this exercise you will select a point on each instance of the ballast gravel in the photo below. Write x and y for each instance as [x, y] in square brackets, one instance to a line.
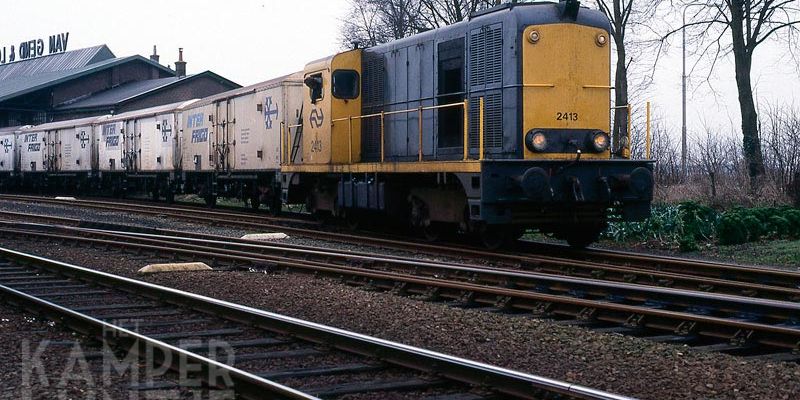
[612, 362]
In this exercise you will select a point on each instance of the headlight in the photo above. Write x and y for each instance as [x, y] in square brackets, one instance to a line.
[600, 142]
[536, 141]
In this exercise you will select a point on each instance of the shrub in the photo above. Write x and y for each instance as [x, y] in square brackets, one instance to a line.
[697, 221]
[731, 230]
[688, 243]
[753, 226]
[793, 216]
[779, 226]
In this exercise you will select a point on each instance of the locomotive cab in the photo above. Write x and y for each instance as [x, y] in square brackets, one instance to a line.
[333, 97]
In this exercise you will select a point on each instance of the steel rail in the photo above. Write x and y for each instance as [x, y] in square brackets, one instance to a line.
[646, 313]
[508, 278]
[547, 265]
[503, 276]
[248, 385]
[543, 263]
[748, 273]
[500, 380]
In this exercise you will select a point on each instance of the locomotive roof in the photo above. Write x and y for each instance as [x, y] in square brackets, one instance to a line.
[515, 14]
[297, 76]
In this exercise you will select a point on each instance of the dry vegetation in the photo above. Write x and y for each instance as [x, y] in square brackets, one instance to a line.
[716, 168]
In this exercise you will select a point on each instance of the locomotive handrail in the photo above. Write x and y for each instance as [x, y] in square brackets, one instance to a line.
[626, 152]
[463, 104]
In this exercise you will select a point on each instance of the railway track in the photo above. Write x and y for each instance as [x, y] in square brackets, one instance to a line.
[274, 356]
[578, 269]
[711, 321]
[546, 258]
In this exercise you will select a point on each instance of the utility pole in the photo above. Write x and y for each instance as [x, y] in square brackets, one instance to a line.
[684, 170]
[683, 126]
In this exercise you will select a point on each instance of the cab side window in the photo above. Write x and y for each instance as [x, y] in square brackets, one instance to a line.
[345, 84]
[314, 83]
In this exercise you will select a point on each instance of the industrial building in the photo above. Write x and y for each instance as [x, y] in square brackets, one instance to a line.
[93, 81]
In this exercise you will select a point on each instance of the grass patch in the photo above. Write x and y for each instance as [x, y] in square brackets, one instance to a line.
[782, 253]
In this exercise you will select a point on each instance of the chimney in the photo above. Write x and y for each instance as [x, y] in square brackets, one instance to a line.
[154, 56]
[180, 65]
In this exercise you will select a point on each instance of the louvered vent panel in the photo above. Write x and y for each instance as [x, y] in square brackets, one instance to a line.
[492, 121]
[477, 58]
[486, 56]
[373, 82]
[493, 70]
[473, 121]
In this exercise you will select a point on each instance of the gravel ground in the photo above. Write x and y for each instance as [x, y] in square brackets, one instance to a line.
[612, 362]
[42, 361]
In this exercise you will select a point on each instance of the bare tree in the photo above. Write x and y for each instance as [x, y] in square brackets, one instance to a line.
[748, 23]
[372, 22]
[438, 13]
[666, 154]
[621, 15]
[780, 125]
[713, 157]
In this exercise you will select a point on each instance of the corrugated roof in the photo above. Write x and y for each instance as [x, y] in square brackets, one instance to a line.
[118, 94]
[11, 88]
[133, 90]
[66, 61]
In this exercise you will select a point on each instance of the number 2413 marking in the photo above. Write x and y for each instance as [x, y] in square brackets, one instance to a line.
[567, 116]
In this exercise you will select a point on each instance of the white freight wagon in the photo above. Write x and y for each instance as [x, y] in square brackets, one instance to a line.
[143, 144]
[62, 149]
[9, 156]
[230, 142]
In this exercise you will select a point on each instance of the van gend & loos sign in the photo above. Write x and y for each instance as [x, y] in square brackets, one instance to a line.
[34, 48]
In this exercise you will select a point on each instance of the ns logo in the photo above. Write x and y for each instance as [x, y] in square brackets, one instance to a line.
[316, 118]
[6, 143]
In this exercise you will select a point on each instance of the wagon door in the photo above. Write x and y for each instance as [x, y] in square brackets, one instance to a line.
[229, 127]
[220, 144]
[129, 147]
[52, 151]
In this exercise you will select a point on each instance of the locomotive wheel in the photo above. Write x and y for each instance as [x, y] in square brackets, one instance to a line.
[255, 202]
[494, 237]
[352, 220]
[437, 231]
[582, 238]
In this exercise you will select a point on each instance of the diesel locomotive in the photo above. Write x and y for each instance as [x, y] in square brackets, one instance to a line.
[490, 127]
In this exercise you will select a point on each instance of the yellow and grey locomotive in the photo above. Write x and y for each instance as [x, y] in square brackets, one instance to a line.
[492, 125]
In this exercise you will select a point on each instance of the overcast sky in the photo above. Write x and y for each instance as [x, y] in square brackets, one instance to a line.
[249, 41]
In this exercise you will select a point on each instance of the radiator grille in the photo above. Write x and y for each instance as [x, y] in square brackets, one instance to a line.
[486, 56]
[492, 120]
[373, 81]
